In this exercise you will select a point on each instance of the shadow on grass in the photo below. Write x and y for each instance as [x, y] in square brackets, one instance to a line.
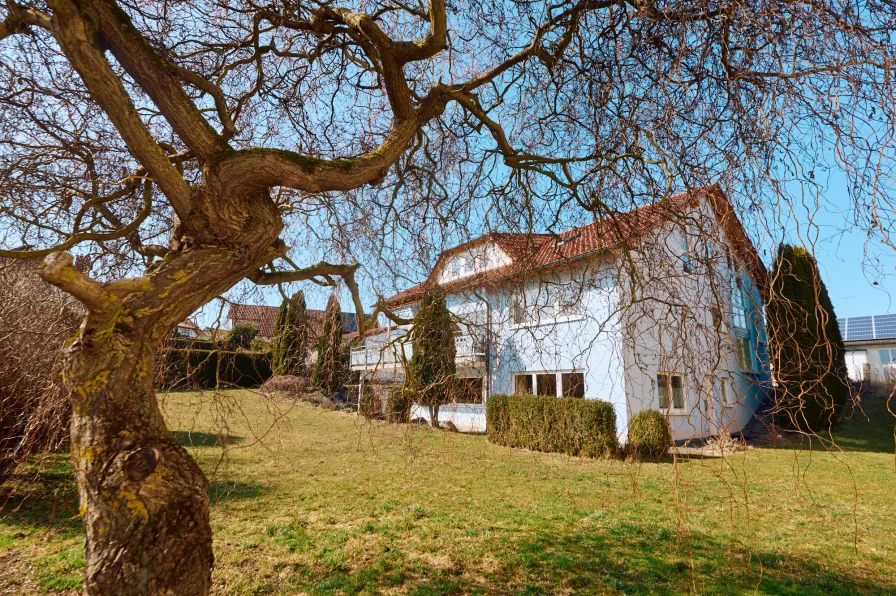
[225, 490]
[867, 426]
[625, 559]
[42, 494]
[200, 439]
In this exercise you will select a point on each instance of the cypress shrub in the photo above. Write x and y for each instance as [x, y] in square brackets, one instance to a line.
[331, 370]
[804, 343]
[208, 369]
[574, 426]
[398, 406]
[649, 434]
[431, 371]
[291, 337]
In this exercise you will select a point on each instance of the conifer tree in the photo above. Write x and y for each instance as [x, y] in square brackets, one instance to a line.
[431, 371]
[805, 344]
[291, 334]
[330, 371]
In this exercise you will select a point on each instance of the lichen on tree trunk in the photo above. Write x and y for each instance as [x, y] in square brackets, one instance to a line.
[144, 499]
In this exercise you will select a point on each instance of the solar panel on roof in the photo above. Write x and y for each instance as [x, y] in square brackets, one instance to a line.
[842, 324]
[866, 328]
[859, 328]
[885, 326]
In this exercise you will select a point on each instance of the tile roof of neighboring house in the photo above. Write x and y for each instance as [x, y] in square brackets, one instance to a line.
[371, 331]
[265, 318]
[535, 251]
[188, 324]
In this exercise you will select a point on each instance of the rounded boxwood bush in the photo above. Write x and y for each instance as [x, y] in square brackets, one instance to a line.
[649, 434]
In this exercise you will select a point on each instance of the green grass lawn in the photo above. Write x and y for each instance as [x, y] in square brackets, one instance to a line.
[307, 500]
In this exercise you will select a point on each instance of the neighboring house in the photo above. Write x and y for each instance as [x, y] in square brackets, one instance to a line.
[870, 347]
[656, 308]
[264, 318]
[187, 328]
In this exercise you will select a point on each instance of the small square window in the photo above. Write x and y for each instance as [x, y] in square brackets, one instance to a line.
[573, 384]
[546, 384]
[885, 357]
[523, 384]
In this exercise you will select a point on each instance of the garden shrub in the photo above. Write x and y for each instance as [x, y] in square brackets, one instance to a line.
[35, 321]
[398, 406]
[574, 426]
[431, 373]
[331, 371]
[241, 336]
[207, 369]
[291, 384]
[805, 344]
[371, 405]
[649, 434]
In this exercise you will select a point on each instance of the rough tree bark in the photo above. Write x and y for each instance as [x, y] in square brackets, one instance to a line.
[144, 500]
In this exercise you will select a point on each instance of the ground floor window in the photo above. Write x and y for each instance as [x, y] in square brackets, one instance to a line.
[469, 391]
[888, 356]
[546, 383]
[556, 384]
[522, 384]
[670, 387]
[573, 384]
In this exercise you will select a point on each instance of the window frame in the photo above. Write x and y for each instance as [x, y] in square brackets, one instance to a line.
[519, 375]
[684, 399]
[563, 387]
[743, 351]
[685, 250]
[557, 382]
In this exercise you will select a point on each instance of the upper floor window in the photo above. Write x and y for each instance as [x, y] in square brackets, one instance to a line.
[685, 250]
[739, 304]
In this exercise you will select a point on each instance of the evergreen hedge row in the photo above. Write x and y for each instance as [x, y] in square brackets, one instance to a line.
[573, 426]
[205, 369]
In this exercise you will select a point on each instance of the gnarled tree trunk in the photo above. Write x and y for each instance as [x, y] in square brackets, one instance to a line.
[144, 499]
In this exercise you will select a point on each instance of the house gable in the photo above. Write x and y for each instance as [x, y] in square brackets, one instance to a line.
[471, 261]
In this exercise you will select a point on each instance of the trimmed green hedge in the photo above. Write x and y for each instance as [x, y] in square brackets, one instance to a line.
[568, 425]
[649, 434]
[206, 369]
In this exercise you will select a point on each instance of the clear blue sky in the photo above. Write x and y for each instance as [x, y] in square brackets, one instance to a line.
[849, 261]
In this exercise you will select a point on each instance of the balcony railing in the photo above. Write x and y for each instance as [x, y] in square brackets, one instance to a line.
[467, 348]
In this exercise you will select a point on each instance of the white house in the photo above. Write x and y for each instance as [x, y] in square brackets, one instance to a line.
[658, 307]
[870, 347]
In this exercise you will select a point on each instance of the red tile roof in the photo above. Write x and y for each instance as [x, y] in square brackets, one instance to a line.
[536, 251]
[188, 324]
[265, 318]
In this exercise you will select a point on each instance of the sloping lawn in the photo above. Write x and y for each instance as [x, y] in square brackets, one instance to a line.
[314, 501]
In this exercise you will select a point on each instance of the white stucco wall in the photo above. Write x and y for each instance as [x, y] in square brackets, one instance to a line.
[676, 334]
[857, 355]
